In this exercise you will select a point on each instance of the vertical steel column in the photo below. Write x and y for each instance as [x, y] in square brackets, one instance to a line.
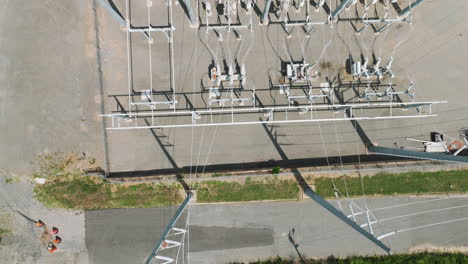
[339, 9]
[190, 11]
[403, 13]
[265, 12]
[170, 226]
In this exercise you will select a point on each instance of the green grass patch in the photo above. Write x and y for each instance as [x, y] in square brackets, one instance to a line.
[455, 181]
[419, 258]
[66, 188]
[76, 192]
[271, 189]
[276, 170]
[8, 180]
[3, 232]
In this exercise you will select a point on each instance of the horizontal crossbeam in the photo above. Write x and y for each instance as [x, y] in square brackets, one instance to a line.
[251, 115]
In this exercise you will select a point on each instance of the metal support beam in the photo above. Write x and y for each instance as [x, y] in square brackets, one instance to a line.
[417, 154]
[265, 12]
[317, 198]
[190, 11]
[115, 13]
[404, 13]
[339, 9]
[169, 227]
[253, 112]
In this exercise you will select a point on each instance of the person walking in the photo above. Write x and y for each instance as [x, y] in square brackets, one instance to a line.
[54, 230]
[51, 247]
[57, 240]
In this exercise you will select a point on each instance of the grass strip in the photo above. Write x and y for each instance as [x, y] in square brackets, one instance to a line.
[4, 231]
[89, 193]
[455, 181]
[420, 258]
[270, 189]
[66, 188]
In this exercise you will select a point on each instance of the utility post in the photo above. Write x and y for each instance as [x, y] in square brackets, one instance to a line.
[113, 12]
[405, 12]
[190, 12]
[265, 12]
[334, 15]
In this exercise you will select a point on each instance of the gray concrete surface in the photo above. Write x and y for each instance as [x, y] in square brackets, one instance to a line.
[429, 52]
[249, 231]
[49, 95]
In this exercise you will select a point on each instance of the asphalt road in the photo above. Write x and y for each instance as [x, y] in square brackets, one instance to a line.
[249, 231]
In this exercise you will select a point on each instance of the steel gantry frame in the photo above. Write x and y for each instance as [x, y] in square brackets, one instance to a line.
[148, 107]
[237, 114]
[289, 25]
[194, 118]
[146, 98]
[334, 15]
[231, 8]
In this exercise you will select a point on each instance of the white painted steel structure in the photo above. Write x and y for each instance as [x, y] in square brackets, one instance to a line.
[280, 114]
[381, 21]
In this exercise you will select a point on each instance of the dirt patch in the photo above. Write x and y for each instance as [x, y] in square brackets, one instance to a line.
[436, 249]
[46, 237]
[60, 164]
[326, 65]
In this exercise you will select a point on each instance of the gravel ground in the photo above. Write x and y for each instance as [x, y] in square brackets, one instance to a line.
[22, 245]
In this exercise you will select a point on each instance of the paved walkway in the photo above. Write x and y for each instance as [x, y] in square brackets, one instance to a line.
[25, 246]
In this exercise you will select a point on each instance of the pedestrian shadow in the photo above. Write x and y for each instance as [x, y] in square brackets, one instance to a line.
[295, 245]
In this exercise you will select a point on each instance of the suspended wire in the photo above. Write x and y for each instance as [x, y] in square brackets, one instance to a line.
[316, 112]
[338, 142]
[249, 48]
[219, 117]
[214, 55]
[334, 122]
[192, 139]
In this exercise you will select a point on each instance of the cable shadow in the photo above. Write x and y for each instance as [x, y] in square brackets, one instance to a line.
[364, 138]
[179, 176]
[257, 10]
[297, 174]
[319, 200]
